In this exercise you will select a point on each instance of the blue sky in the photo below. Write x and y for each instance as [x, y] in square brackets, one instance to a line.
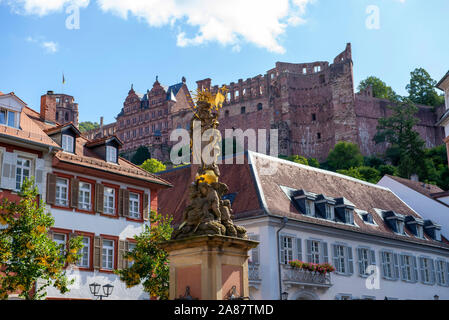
[132, 41]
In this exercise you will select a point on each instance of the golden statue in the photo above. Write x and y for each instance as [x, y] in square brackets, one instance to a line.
[207, 212]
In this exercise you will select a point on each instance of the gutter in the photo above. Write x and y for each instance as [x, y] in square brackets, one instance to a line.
[284, 223]
[37, 144]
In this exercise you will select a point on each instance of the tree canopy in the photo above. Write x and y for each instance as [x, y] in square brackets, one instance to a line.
[380, 88]
[406, 148]
[153, 166]
[142, 154]
[344, 155]
[87, 126]
[27, 252]
[422, 90]
[148, 262]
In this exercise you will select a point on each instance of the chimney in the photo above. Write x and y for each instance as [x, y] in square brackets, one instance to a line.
[204, 84]
[101, 127]
[48, 107]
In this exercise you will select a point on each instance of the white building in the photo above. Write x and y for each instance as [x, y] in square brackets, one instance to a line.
[380, 247]
[90, 191]
[428, 200]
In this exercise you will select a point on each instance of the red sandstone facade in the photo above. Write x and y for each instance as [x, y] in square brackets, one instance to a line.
[60, 108]
[313, 105]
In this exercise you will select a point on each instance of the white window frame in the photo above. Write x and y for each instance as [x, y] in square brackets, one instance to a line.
[83, 194]
[111, 154]
[134, 205]
[67, 143]
[131, 246]
[441, 272]
[107, 255]
[85, 254]
[330, 211]
[286, 249]
[341, 266]
[108, 196]
[349, 217]
[8, 115]
[60, 186]
[61, 242]
[419, 231]
[20, 169]
[310, 208]
[315, 251]
[387, 260]
[427, 272]
[407, 269]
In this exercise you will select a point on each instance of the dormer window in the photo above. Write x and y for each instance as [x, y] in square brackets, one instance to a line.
[367, 217]
[67, 143]
[395, 221]
[8, 118]
[349, 216]
[419, 232]
[329, 211]
[310, 208]
[415, 226]
[111, 154]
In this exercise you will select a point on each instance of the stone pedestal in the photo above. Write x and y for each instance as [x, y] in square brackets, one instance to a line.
[210, 266]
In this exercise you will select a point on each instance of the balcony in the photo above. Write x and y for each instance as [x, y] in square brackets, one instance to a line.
[253, 275]
[299, 277]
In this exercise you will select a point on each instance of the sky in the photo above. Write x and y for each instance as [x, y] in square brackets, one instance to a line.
[104, 46]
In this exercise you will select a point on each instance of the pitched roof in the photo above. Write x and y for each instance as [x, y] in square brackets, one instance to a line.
[103, 140]
[259, 193]
[446, 76]
[423, 188]
[30, 130]
[85, 157]
[60, 127]
[174, 89]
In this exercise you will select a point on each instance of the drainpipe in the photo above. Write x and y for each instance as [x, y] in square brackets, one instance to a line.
[284, 222]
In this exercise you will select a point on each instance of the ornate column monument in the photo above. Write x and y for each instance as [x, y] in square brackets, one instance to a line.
[208, 254]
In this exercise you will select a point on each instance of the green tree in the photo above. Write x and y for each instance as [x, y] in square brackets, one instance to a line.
[380, 88]
[150, 262]
[421, 89]
[352, 172]
[87, 126]
[406, 148]
[27, 253]
[370, 174]
[298, 159]
[313, 162]
[153, 165]
[344, 156]
[142, 154]
[388, 169]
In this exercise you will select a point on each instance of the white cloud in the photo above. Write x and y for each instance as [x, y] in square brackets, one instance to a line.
[228, 22]
[49, 46]
[43, 7]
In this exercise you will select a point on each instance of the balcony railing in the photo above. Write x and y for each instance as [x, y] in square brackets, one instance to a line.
[295, 276]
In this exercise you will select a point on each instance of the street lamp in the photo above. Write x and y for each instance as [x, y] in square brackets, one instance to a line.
[95, 289]
[436, 297]
[284, 295]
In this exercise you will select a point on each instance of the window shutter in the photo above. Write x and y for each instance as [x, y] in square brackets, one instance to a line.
[324, 254]
[432, 271]
[396, 266]
[99, 197]
[415, 270]
[372, 257]
[438, 273]
[98, 244]
[126, 203]
[350, 260]
[146, 207]
[121, 253]
[447, 274]
[120, 202]
[74, 192]
[298, 249]
[8, 180]
[421, 269]
[281, 251]
[360, 260]
[309, 250]
[51, 188]
[335, 258]
[255, 253]
[384, 264]
[39, 174]
[403, 271]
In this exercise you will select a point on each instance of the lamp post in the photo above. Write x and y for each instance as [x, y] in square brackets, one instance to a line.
[284, 296]
[95, 289]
